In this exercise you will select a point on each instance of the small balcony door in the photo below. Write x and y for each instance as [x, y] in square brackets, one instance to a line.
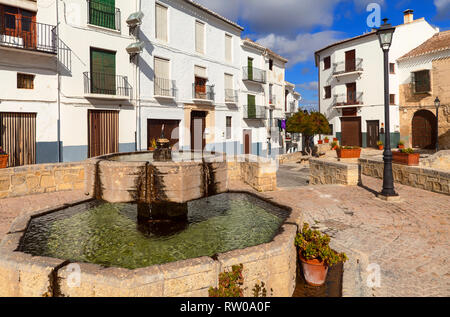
[351, 94]
[251, 102]
[103, 72]
[350, 61]
[200, 87]
[250, 68]
[19, 23]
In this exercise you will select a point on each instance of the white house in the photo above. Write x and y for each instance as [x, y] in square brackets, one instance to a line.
[351, 87]
[292, 141]
[190, 77]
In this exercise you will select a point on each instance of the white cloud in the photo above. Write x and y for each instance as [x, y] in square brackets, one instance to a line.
[443, 9]
[300, 48]
[312, 85]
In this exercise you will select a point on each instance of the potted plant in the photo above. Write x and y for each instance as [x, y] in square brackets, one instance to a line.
[3, 158]
[152, 145]
[334, 145]
[327, 140]
[348, 152]
[380, 145]
[335, 139]
[406, 157]
[320, 142]
[401, 144]
[315, 255]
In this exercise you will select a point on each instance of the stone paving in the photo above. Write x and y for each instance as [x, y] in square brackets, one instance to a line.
[292, 175]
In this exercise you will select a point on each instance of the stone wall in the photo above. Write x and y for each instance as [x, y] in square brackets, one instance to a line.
[330, 171]
[42, 178]
[426, 178]
[260, 173]
[289, 158]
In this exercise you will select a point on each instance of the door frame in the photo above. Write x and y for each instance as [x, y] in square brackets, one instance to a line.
[360, 132]
[247, 132]
[196, 114]
[368, 122]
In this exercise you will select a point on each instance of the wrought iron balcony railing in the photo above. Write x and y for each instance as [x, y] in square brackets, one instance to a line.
[103, 15]
[254, 112]
[106, 84]
[254, 74]
[349, 99]
[165, 87]
[231, 95]
[204, 92]
[348, 67]
[25, 34]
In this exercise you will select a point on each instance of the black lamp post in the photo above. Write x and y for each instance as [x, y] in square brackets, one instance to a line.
[437, 104]
[385, 34]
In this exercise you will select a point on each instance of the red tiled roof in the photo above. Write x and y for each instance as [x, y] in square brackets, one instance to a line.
[439, 42]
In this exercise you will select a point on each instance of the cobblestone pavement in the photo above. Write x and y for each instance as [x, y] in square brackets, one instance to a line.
[10, 208]
[292, 175]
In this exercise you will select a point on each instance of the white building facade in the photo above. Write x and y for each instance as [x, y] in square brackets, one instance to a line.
[351, 86]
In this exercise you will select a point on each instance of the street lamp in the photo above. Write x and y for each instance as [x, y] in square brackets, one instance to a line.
[437, 104]
[385, 34]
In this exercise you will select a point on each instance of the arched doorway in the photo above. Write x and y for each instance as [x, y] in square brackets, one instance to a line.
[424, 130]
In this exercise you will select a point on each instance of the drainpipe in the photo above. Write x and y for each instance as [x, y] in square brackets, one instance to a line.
[59, 152]
[138, 90]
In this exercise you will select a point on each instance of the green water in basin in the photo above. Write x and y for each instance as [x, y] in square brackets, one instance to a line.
[111, 235]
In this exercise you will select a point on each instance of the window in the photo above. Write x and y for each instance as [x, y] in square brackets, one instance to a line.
[25, 81]
[102, 13]
[199, 37]
[228, 132]
[421, 81]
[18, 23]
[327, 90]
[162, 75]
[331, 129]
[251, 104]
[270, 64]
[392, 68]
[271, 99]
[103, 72]
[161, 23]
[229, 92]
[228, 48]
[327, 63]
[392, 99]
[200, 82]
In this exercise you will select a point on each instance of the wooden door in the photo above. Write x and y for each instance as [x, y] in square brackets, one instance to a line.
[18, 137]
[350, 61]
[247, 141]
[198, 125]
[251, 106]
[351, 131]
[424, 130]
[103, 132]
[10, 23]
[155, 129]
[28, 29]
[200, 88]
[373, 133]
[351, 94]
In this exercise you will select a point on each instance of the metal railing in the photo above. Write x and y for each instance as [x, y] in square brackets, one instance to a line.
[103, 15]
[205, 92]
[165, 87]
[106, 84]
[26, 34]
[348, 67]
[254, 74]
[349, 99]
[231, 95]
[292, 107]
[254, 112]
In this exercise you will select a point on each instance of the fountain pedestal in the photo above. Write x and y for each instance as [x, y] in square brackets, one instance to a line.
[163, 152]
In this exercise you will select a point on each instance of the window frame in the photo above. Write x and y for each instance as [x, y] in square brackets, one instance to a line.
[166, 40]
[327, 63]
[198, 22]
[326, 96]
[414, 74]
[228, 127]
[25, 76]
[231, 47]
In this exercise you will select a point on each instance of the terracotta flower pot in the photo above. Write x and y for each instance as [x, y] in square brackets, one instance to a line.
[326, 140]
[401, 146]
[380, 147]
[335, 148]
[3, 161]
[348, 153]
[405, 158]
[335, 139]
[320, 142]
[315, 271]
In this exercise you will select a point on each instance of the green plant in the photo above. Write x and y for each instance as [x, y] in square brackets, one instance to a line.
[315, 245]
[401, 142]
[380, 143]
[349, 147]
[334, 144]
[407, 151]
[153, 143]
[230, 283]
[260, 290]
[327, 139]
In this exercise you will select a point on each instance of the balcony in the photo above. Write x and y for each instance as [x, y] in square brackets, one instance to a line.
[203, 93]
[292, 107]
[254, 75]
[351, 99]
[103, 15]
[106, 86]
[348, 68]
[255, 112]
[231, 96]
[165, 88]
[27, 35]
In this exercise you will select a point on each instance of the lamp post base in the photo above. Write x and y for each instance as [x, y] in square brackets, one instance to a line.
[389, 198]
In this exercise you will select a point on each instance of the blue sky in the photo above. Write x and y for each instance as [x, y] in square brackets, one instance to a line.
[297, 28]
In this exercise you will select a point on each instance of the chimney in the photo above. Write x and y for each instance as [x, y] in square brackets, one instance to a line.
[408, 16]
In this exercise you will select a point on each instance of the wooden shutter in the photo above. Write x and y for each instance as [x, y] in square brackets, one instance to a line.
[250, 68]
[228, 47]
[251, 106]
[103, 132]
[161, 23]
[162, 82]
[103, 13]
[228, 81]
[103, 72]
[18, 137]
[199, 37]
[200, 72]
